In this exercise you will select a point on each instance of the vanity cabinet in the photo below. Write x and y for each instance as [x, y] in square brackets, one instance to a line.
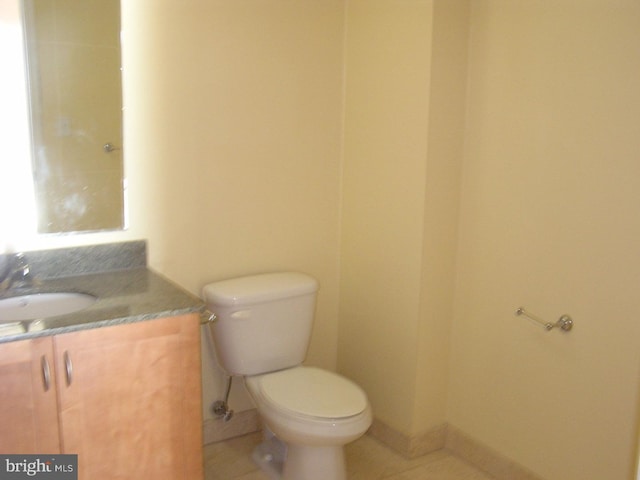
[128, 399]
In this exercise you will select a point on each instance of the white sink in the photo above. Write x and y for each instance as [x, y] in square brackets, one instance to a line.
[42, 305]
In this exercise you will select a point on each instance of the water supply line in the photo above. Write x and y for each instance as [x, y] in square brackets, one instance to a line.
[220, 408]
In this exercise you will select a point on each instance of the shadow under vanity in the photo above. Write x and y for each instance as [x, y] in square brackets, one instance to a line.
[118, 382]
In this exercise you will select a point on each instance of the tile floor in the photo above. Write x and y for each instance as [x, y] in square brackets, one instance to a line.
[367, 459]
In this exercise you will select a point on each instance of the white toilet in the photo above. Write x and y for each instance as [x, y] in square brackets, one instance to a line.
[262, 332]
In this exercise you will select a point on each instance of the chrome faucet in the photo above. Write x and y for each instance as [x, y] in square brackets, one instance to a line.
[17, 273]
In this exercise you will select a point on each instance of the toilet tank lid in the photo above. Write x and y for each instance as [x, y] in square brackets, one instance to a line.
[259, 288]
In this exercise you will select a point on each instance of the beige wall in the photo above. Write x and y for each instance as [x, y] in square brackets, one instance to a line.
[405, 65]
[549, 220]
[387, 100]
[445, 142]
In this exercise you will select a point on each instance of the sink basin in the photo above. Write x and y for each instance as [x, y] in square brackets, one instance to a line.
[42, 305]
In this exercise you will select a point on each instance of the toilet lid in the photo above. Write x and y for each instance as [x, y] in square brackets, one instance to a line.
[314, 392]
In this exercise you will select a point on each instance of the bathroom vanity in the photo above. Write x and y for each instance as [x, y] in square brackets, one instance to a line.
[117, 383]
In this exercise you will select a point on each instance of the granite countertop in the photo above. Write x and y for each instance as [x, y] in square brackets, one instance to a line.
[123, 296]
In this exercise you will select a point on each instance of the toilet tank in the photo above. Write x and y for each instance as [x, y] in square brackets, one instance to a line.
[263, 321]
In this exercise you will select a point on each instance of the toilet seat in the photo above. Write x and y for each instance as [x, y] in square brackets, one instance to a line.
[311, 392]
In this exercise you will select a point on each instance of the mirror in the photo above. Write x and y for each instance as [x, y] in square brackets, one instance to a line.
[73, 74]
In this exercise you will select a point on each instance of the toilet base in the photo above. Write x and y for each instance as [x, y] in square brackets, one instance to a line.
[269, 455]
[299, 462]
[314, 463]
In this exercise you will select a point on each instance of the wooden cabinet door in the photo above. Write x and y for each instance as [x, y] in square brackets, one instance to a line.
[130, 399]
[28, 406]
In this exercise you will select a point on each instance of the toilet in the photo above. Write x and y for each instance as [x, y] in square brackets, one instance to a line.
[262, 333]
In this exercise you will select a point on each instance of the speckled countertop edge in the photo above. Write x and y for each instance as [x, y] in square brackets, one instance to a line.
[123, 296]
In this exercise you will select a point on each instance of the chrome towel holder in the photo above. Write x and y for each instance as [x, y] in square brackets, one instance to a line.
[565, 322]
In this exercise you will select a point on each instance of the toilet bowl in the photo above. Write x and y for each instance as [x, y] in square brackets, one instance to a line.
[315, 413]
[261, 332]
